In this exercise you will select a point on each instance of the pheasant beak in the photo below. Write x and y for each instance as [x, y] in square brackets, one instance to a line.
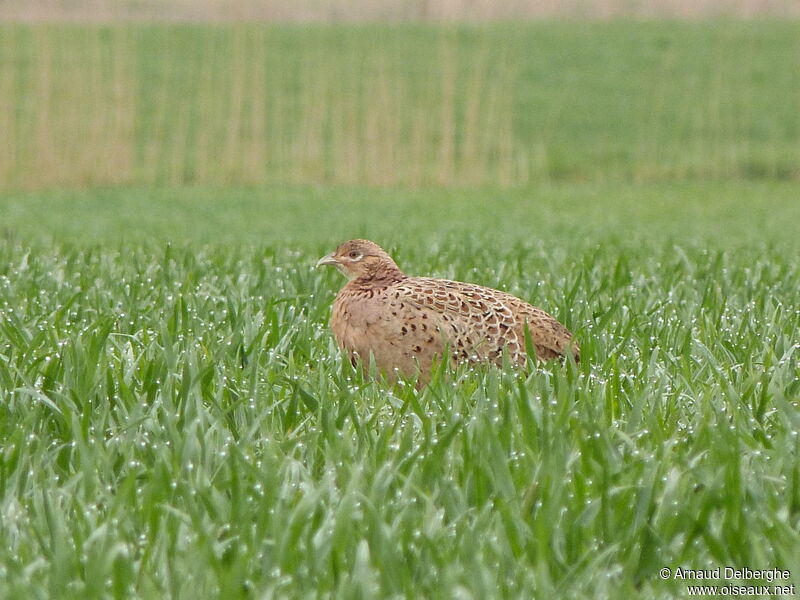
[329, 259]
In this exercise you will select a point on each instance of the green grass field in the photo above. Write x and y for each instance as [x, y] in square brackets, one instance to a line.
[175, 420]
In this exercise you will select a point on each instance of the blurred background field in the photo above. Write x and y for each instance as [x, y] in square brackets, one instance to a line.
[721, 215]
[414, 105]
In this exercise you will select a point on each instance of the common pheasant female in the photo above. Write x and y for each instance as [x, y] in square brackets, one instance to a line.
[405, 323]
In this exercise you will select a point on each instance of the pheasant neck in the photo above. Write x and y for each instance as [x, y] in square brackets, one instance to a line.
[383, 276]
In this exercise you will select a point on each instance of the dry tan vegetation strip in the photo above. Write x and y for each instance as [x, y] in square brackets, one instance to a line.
[285, 11]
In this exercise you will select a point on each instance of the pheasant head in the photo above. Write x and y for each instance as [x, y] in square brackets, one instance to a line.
[362, 259]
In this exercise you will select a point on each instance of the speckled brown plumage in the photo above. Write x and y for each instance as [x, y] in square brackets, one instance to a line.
[404, 323]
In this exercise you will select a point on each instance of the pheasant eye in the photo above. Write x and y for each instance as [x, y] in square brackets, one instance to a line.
[354, 255]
